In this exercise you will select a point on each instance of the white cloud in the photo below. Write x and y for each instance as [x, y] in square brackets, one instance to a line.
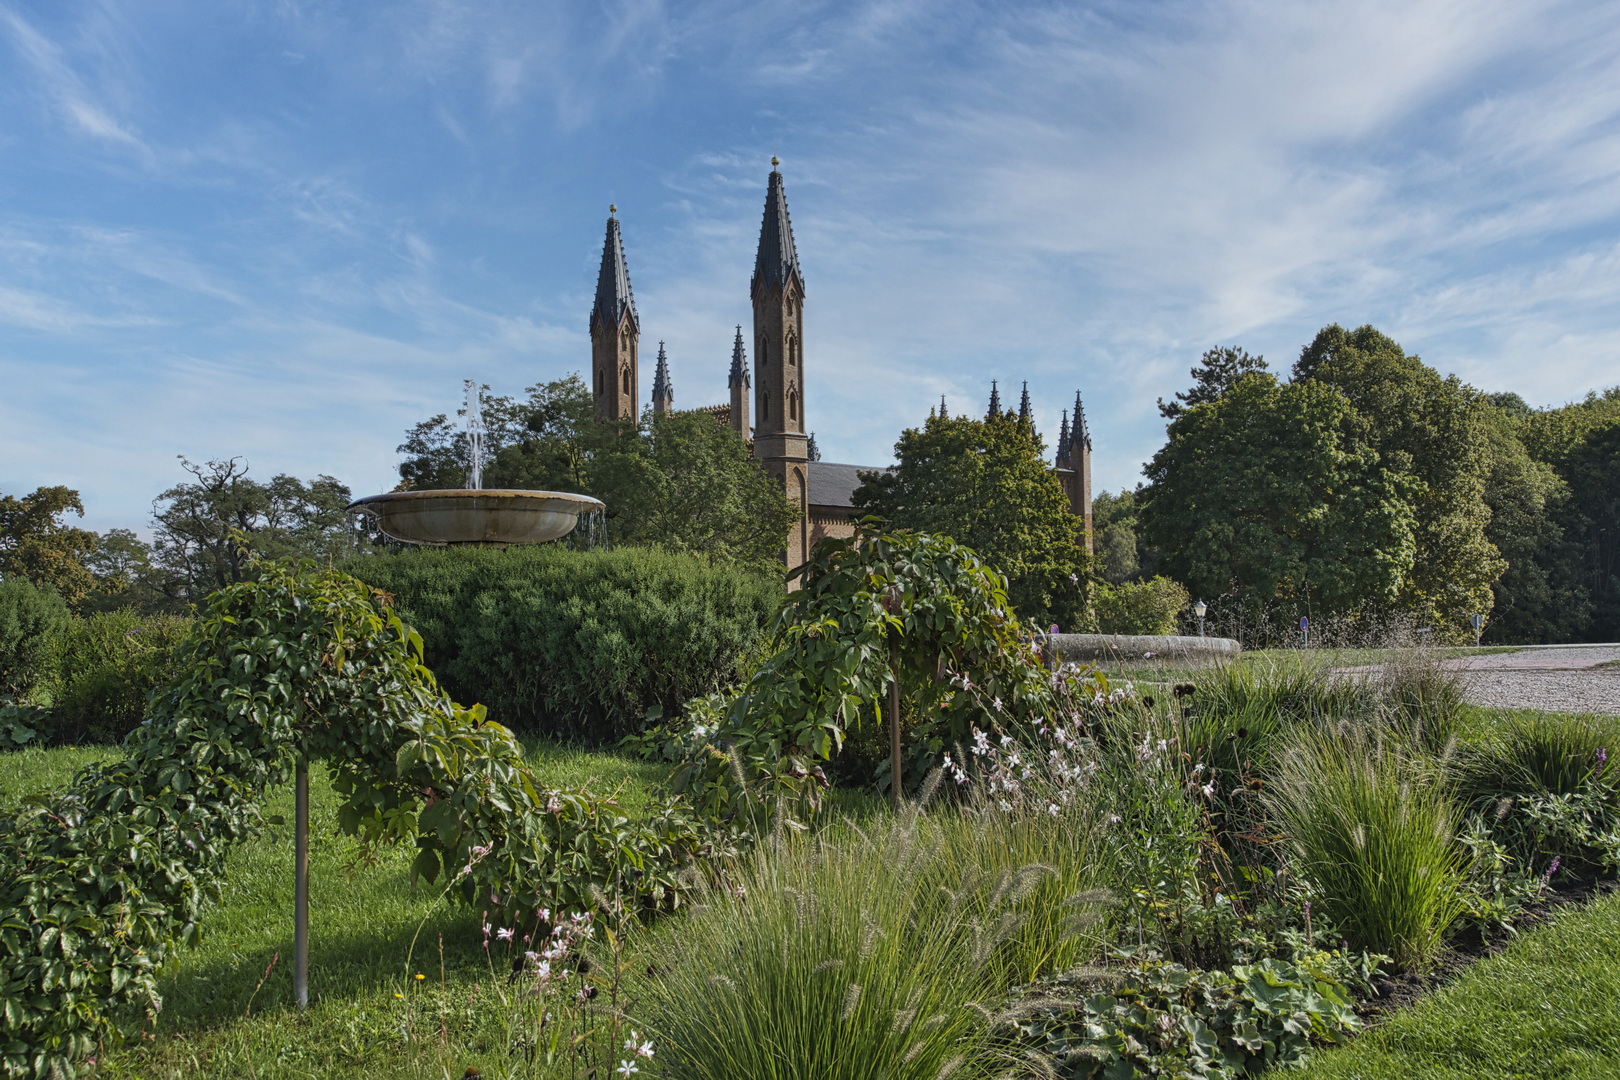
[64, 87]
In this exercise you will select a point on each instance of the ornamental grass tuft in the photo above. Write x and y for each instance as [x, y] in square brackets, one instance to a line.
[1373, 830]
[870, 954]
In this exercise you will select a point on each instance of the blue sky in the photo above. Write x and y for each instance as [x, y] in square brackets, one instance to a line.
[287, 230]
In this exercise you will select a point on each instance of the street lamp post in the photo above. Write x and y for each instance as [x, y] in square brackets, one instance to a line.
[1478, 623]
[1198, 610]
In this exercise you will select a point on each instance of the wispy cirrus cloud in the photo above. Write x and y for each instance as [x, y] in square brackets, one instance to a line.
[63, 87]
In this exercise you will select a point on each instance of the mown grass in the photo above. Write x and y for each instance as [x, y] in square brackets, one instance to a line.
[1547, 1007]
[363, 916]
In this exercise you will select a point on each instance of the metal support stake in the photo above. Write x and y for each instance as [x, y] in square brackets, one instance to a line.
[894, 722]
[301, 885]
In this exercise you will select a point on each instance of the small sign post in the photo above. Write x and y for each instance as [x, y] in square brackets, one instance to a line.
[1478, 623]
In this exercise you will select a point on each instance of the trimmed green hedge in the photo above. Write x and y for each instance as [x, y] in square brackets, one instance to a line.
[576, 644]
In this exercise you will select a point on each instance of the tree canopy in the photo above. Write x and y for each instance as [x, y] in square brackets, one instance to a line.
[36, 545]
[1218, 371]
[205, 531]
[1273, 492]
[984, 484]
[1436, 432]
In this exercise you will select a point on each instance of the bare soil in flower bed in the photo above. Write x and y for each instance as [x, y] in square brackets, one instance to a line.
[1392, 993]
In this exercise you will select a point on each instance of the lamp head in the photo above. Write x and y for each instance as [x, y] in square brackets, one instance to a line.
[1199, 609]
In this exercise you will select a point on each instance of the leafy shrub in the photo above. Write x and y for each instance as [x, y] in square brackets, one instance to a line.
[1375, 835]
[104, 667]
[877, 603]
[576, 644]
[1162, 1019]
[99, 884]
[1141, 607]
[1548, 788]
[22, 725]
[29, 617]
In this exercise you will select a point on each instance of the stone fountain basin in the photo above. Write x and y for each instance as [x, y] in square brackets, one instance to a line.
[496, 517]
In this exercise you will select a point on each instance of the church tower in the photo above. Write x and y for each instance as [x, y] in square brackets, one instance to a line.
[740, 385]
[615, 333]
[663, 398]
[778, 293]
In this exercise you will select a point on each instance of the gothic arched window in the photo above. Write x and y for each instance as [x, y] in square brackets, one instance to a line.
[793, 350]
[764, 400]
[627, 380]
[793, 403]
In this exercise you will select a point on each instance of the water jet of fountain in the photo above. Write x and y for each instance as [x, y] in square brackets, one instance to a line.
[473, 410]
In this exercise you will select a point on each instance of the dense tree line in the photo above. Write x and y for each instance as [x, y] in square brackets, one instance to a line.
[203, 530]
[1370, 488]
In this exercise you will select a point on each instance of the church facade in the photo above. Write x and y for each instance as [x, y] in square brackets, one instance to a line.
[766, 406]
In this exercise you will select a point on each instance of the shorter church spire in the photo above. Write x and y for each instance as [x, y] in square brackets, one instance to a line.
[740, 384]
[739, 362]
[995, 402]
[1024, 413]
[1063, 442]
[1081, 434]
[942, 413]
[663, 391]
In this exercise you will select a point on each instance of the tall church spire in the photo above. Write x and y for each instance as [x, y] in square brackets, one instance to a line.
[780, 444]
[1024, 414]
[614, 299]
[995, 402]
[1063, 442]
[615, 332]
[740, 384]
[777, 261]
[663, 392]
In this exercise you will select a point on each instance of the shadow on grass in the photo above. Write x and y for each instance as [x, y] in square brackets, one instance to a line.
[216, 991]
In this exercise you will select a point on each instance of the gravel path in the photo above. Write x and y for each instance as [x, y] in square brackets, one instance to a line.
[1555, 680]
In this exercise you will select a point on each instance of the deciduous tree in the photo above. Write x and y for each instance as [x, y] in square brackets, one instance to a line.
[37, 545]
[984, 484]
[205, 531]
[1274, 494]
[1434, 431]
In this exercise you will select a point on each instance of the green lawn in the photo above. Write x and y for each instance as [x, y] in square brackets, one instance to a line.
[362, 917]
[1547, 1007]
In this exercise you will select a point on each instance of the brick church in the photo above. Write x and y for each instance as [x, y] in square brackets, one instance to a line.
[767, 401]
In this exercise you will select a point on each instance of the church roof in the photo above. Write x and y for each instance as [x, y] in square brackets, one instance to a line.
[739, 362]
[777, 260]
[613, 295]
[832, 484]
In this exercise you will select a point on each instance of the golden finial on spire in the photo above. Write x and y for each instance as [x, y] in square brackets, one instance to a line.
[612, 209]
[775, 161]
